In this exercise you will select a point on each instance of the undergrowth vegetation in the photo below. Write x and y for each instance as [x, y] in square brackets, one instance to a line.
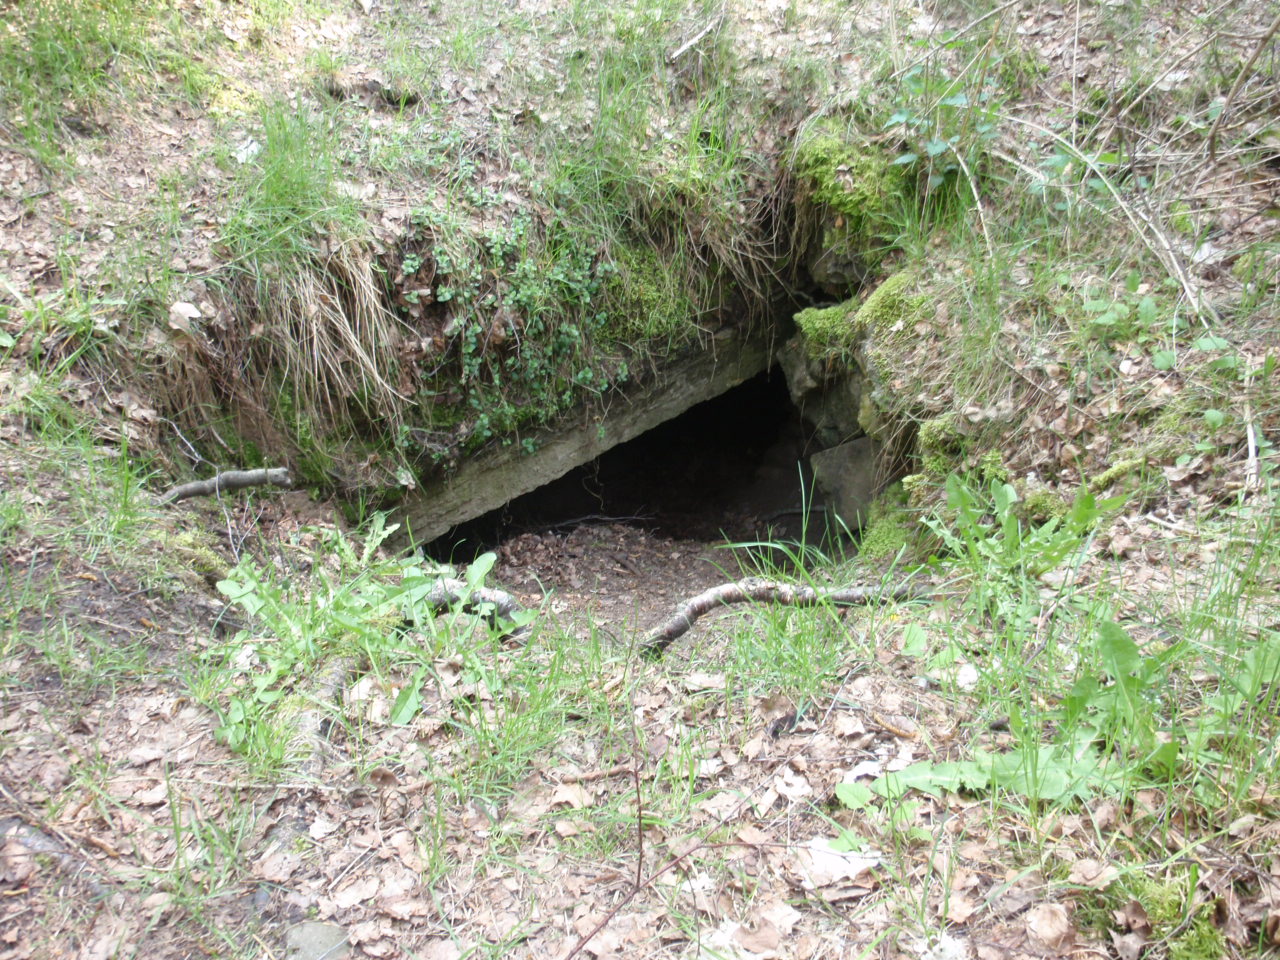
[1048, 248]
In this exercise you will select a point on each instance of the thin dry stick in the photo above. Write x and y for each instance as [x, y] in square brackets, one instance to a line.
[754, 589]
[448, 592]
[977, 200]
[228, 480]
[1235, 87]
[1163, 249]
[697, 37]
[1252, 474]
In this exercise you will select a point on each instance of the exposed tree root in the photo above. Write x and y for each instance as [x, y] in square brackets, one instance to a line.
[228, 480]
[755, 589]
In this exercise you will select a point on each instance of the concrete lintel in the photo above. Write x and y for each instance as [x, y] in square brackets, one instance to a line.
[495, 476]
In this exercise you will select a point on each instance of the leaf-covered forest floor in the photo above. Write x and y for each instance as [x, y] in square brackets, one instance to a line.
[232, 727]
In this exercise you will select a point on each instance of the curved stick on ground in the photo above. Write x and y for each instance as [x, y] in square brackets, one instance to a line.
[448, 592]
[754, 589]
[228, 480]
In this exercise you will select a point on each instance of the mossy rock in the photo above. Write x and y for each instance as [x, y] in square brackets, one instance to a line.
[829, 329]
[839, 329]
[854, 193]
[991, 467]
[1165, 904]
[1041, 504]
[192, 550]
[919, 488]
[940, 435]
[1116, 472]
[854, 179]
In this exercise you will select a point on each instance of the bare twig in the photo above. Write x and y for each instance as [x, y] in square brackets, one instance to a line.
[43, 839]
[696, 39]
[754, 589]
[1235, 87]
[447, 592]
[1252, 472]
[228, 480]
[630, 769]
[977, 201]
[1144, 226]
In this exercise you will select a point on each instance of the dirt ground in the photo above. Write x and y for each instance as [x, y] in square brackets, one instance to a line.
[128, 829]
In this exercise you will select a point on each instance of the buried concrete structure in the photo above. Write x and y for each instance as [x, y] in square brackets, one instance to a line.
[813, 465]
[496, 476]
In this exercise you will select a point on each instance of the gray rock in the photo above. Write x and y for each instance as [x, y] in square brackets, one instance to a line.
[313, 940]
[847, 477]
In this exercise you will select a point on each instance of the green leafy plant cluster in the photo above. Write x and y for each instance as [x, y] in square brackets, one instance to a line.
[944, 119]
[1109, 718]
[286, 198]
[988, 535]
[358, 606]
[527, 332]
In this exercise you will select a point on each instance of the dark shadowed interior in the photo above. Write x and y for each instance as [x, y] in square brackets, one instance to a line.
[723, 468]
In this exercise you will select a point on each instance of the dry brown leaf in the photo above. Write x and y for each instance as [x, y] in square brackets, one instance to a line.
[1050, 925]
[821, 866]
[721, 805]
[702, 680]
[1105, 815]
[782, 915]
[359, 890]
[404, 907]
[440, 950]
[960, 908]
[792, 785]
[572, 795]
[762, 937]
[1091, 873]
[278, 866]
[181, 314]
[1128, 946]
[1133, 917]
[321, 828]
[17, 863]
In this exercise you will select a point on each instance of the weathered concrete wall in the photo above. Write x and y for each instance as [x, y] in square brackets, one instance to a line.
[496, 476]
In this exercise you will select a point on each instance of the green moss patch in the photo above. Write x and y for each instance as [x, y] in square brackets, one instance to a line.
[647, 299]
[855, 180]
[839, 328]
[851, 197]
[888, 528]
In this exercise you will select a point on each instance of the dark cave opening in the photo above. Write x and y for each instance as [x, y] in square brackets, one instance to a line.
[727, 467]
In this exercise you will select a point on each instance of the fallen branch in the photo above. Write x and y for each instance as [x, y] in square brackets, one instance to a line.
[696, 39]
[228, 480]
[49, 841]
[754, 589]
[448, 592]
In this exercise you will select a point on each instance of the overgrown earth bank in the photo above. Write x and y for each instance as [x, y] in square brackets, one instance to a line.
[779, 479]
